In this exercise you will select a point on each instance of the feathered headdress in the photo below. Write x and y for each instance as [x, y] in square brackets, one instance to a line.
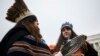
[18, 11]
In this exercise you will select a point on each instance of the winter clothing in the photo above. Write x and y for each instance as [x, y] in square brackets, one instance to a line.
[19, 42]
[90, 51]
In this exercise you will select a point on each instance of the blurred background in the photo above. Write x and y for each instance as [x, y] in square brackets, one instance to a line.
[83, 14]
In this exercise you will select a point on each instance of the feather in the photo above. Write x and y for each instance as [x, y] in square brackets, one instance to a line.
[18, 10]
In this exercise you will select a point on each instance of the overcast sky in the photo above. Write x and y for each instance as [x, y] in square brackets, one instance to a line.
[83, 14]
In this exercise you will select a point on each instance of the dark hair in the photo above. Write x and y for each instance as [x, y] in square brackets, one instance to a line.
[28, 23]
[61, 39]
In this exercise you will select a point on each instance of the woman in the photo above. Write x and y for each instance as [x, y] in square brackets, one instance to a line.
[24, 39]
[67, 34]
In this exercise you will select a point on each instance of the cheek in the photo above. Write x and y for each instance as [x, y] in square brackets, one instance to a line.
[36, 24]
[63, 33]
[70, 33]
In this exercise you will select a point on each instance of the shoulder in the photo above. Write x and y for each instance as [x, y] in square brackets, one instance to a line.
[13, 35]
[18, 53]
[26, 47]
[19, 48]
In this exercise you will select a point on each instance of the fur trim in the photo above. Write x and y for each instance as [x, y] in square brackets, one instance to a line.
[22, 16]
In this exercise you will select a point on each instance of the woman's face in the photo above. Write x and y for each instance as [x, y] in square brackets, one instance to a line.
[66, 32]
[36, 23]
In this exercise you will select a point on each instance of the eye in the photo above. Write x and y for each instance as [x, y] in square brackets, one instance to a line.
[63, 29]
[68, 28]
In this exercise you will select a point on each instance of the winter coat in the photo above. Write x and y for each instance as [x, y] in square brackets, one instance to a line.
[90, 51]
[19, 42]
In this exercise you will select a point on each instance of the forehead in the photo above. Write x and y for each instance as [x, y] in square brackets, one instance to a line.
[66, 28]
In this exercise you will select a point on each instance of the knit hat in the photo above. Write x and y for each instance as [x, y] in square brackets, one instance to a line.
[67, 24]
[18, 11]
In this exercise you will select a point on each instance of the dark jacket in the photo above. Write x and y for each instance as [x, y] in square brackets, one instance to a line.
[90, 51]
[9, 47]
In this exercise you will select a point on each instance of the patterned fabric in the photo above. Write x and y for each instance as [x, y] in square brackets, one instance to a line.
[73, 45]
[30, 48]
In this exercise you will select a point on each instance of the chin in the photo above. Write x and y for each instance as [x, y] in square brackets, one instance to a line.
[66, 36]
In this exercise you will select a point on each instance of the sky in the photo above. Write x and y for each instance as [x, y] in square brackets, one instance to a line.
[83, 14]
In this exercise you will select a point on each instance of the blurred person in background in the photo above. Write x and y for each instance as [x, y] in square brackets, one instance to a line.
[67, 33]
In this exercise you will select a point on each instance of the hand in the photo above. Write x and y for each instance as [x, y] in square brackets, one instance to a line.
[55, 53]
